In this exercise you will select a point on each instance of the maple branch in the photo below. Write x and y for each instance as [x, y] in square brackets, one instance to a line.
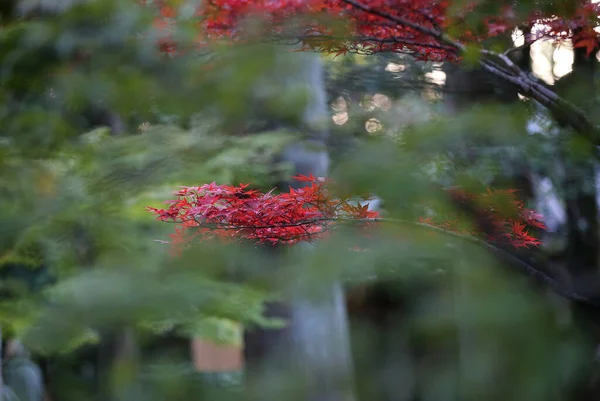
[572, 114]
[306, 214]
[502, 254]
[429, 18]
[567, 111]
[405, 22]
[505, 256]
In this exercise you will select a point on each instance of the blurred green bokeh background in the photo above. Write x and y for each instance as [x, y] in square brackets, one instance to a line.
[109, 314]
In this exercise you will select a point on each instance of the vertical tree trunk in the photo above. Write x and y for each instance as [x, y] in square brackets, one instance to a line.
[320, 341]
[581, 193]
[313, 351]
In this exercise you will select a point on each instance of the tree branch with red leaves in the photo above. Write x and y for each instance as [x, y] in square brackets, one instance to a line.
[503, 67]
[416, 27]
[310, 213]
[236, 213]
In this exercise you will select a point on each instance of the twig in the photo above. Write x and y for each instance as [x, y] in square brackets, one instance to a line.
[405, 22]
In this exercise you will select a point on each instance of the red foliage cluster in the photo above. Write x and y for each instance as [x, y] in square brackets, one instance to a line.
[504, 214]
[238, 213]
[408, 26]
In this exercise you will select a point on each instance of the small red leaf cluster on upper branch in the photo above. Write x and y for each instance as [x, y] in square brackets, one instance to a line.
[239, 213]
[506, 217]
[371, 26]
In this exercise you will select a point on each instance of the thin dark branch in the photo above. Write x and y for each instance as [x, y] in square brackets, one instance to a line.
[429, 18]
[507, 257]
[405, 22]
[512, 260]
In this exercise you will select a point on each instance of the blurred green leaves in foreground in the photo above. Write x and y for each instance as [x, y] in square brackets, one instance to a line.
[81, 257]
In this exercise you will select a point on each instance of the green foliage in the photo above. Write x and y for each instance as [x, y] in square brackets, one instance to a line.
[72, 201]
[75, 201]
[89, 201]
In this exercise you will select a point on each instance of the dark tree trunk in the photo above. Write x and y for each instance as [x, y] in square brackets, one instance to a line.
[581, 255]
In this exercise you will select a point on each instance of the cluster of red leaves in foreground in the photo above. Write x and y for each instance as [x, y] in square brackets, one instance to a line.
[408, 26]
[239, 213]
